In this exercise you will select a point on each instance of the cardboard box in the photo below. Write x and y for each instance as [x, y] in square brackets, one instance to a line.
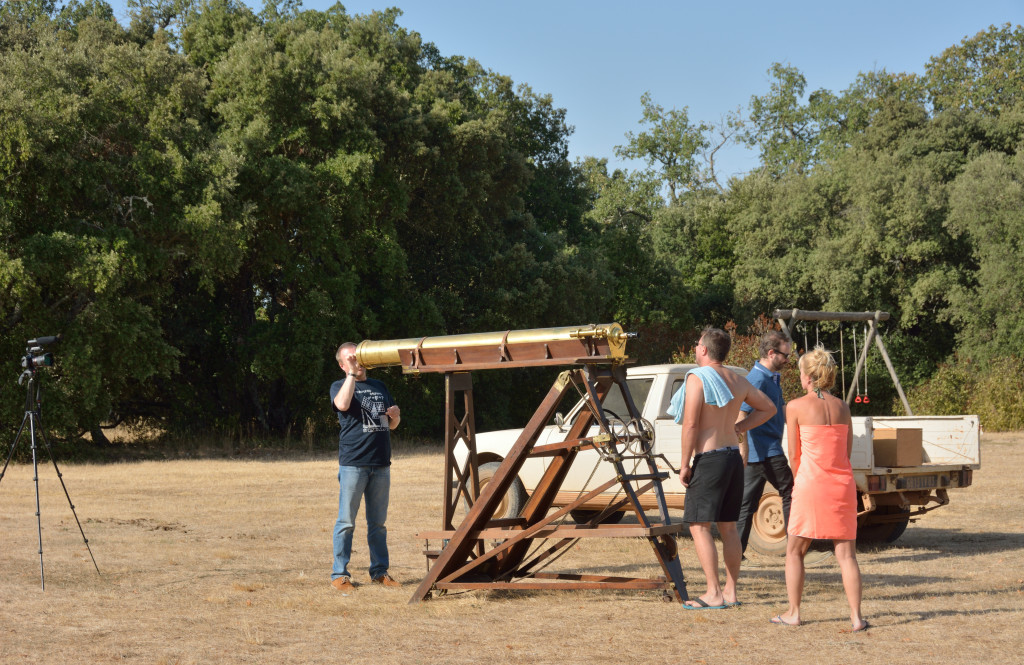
[898, 447]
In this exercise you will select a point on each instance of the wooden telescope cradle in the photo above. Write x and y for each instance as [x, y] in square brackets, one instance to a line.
[483, 551]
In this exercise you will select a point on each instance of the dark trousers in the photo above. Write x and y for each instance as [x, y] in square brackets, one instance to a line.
[774, 470]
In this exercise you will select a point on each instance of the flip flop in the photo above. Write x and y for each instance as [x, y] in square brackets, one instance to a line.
[779, 621]
[701, 605]
[736, 604]
[858, 630]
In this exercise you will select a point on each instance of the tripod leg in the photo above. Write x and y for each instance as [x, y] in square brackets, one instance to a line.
[35, 479]
[17, 437]
[60, 477]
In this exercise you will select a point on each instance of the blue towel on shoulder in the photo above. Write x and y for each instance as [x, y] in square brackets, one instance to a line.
[716, 392]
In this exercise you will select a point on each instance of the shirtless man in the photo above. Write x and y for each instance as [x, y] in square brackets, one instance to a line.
[714, 479]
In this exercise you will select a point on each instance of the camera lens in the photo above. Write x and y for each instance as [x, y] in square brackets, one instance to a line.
[42, 360]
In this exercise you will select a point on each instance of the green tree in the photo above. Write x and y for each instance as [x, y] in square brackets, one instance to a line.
[645, 289]
[101, 179]
[672, 147]
[773, 225]
[694, 239]
[786, 131]
[987, 211]
[384, 191]
[983, 73]
[212, 27]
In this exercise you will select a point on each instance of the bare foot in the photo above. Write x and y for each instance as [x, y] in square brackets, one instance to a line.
[786, 619]
[703, 603]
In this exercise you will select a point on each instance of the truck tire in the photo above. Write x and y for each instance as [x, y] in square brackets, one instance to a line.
[884, 532]
[768, 526]
[515, 498]
[584, 516]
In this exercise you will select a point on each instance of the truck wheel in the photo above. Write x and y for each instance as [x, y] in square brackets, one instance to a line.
[884, 532]
[768, 526]
[514, 499]
[584, 516]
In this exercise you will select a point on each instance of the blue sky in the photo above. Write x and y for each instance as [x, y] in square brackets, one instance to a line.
[596, 58]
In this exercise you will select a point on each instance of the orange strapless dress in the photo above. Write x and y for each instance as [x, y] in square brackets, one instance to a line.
[824, 492]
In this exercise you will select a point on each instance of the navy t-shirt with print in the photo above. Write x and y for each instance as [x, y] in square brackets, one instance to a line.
[365, 439]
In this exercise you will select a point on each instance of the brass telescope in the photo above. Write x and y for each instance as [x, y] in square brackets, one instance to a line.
[569, 345]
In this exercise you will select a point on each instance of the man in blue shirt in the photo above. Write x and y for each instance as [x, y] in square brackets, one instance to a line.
[766, 460]
[367, 414]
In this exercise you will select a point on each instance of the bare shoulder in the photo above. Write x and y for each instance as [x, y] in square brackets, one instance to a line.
[844, 408]
[737, 382]
[797, 405]
[694, 386]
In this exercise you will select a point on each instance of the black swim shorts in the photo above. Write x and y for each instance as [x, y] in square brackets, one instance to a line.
[715, 493]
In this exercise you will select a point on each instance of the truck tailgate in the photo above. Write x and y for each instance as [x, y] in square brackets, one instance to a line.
[947, 440]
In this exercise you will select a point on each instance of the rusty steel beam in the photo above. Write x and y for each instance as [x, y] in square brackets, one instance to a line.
[460, 546]
[459, 481]
[518, 538]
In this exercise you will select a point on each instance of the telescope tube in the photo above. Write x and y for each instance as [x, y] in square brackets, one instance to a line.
[594, 343]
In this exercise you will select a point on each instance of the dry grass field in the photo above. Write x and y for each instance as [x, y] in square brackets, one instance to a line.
[225, 561]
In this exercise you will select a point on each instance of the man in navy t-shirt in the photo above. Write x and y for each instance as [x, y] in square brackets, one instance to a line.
[766, 460]
[367, 414]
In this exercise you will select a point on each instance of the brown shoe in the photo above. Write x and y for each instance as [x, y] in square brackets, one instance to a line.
[386, 580]
[343, 584]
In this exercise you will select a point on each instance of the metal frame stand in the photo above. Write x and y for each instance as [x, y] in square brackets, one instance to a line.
[485, 552]
[33, 419]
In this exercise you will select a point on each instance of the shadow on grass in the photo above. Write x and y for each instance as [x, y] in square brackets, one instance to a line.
[924, 544]
[880, 582]
[202, 446]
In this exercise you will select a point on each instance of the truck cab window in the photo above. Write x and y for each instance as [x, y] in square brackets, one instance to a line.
[638, 388]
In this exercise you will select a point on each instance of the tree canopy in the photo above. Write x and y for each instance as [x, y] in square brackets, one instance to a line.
[204, 204]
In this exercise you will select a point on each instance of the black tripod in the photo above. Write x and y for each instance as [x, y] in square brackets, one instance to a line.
[33, 404]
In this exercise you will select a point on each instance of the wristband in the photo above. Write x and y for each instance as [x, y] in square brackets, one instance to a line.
[351, 374]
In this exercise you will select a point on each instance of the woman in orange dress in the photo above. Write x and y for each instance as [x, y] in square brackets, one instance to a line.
[824, 504]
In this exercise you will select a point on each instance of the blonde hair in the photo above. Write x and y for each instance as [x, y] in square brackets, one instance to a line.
[819, 365]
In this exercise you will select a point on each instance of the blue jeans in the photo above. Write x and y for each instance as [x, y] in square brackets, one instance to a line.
[373, 482]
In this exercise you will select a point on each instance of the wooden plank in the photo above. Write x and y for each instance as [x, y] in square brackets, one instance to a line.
[552, 449]
[632, 585]
[564, 531]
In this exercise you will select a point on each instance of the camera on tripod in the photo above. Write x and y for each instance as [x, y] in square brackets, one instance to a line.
[34, 356]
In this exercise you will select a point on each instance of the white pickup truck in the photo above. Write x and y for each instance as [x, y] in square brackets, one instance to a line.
[889, 497]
